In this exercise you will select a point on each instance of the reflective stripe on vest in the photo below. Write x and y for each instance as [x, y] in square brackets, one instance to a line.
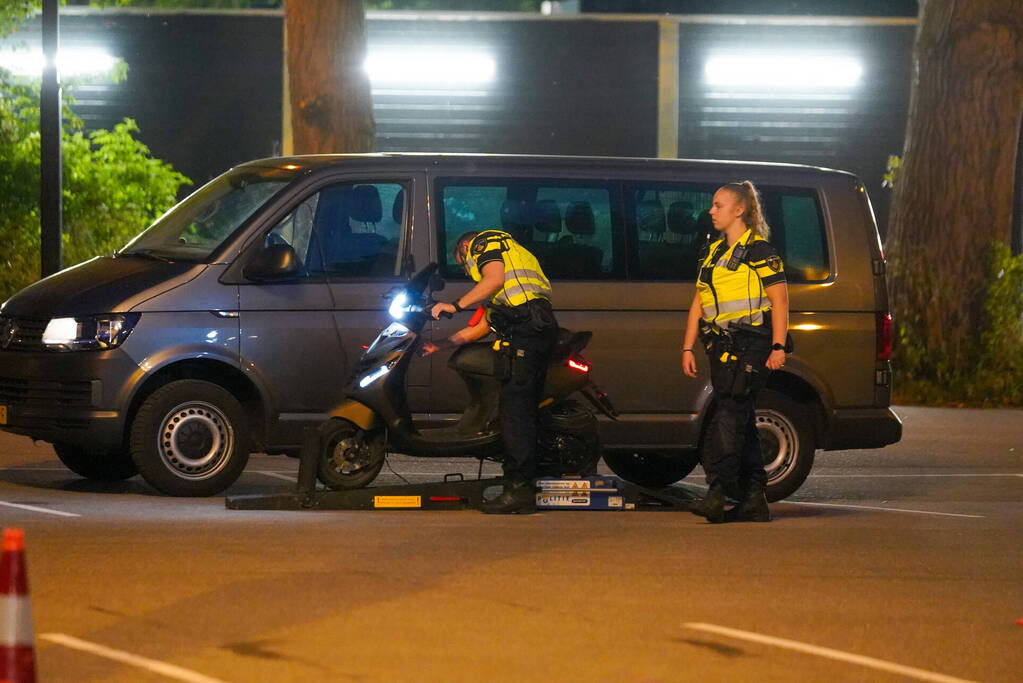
[524, 280]
[740, 294]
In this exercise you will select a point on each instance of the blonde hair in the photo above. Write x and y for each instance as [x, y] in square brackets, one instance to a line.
[753, 213]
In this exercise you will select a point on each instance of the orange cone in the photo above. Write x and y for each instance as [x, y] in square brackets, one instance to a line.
[17, 657]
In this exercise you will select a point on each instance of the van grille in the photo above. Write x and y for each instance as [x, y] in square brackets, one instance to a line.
[21, 334]
[44, 393]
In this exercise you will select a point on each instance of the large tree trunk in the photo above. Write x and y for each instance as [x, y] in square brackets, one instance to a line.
[330, 106]
[954, 193]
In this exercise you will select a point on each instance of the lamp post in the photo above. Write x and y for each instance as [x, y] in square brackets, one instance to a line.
[50, 195]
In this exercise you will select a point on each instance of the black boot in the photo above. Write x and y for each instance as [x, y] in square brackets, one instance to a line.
[711, 506]
[753, 507]
[518, 497]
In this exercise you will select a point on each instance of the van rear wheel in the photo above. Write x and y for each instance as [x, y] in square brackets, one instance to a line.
[96, 466]
[189, 438]
[651, 470]
[786, 442]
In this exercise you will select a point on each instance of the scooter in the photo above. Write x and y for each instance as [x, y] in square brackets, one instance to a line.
[374, 419]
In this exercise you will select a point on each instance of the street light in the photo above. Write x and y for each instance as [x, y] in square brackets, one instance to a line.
[808, 71]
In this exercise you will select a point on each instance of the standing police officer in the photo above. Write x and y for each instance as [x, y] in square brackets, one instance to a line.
[741, 310]
[518, 295]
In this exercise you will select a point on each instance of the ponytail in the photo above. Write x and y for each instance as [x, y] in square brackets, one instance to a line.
[753, 214]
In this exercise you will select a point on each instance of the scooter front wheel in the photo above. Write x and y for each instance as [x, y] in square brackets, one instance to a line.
[350, 458]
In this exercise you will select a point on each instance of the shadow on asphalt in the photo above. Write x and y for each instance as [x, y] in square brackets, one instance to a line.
[61, 481]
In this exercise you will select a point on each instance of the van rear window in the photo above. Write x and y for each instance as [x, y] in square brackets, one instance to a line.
[569, 225]
[669, 226]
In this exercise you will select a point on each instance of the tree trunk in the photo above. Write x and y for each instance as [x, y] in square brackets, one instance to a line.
[330, 104]
[954, 194]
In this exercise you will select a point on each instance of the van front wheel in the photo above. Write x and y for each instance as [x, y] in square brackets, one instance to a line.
[786, 442]
[188, 439]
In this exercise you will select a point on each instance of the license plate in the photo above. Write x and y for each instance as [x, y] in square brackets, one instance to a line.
[3, 415]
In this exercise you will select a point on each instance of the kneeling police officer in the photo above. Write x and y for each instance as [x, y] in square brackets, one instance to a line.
[518, 304]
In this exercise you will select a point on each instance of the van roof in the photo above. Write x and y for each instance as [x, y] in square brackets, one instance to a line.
[428, 159]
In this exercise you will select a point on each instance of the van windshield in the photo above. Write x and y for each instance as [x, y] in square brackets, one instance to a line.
[192, 230]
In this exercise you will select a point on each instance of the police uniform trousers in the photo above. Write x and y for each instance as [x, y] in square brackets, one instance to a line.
[734, 460]
[531, 341]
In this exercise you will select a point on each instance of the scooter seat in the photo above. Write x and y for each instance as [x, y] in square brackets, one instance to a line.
[569, 343]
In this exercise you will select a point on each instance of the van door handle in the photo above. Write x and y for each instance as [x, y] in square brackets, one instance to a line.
[225, 314]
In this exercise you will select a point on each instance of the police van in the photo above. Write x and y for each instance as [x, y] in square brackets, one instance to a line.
[192, 347]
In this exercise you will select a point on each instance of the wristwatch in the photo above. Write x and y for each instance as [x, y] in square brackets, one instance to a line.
[777, 347]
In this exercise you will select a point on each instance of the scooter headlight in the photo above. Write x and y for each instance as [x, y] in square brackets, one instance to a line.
[399, 306]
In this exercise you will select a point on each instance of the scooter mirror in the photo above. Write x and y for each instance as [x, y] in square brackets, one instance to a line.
[436, 282]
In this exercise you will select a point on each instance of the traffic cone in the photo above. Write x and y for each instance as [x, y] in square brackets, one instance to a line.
[17, 656]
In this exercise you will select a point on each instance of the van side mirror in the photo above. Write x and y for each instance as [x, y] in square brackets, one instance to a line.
[274, 262]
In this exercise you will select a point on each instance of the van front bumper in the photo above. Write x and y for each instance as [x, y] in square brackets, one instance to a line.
[861, 428]
[66, 397]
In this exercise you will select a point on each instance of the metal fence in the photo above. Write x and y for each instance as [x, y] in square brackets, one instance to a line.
[206, 86]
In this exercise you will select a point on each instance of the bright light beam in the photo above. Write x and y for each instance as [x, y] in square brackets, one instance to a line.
[783, 71]
[440, 66]
[70, 62]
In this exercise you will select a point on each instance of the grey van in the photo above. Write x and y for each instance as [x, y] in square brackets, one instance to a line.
[197, 343]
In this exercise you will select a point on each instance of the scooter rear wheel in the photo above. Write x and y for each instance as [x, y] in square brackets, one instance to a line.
[350, 458]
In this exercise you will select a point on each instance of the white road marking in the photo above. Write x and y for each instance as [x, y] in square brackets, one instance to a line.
[871, 507]
[277, 475]
[33, 508]
[152, 665]
[885, 476]
[827, 652]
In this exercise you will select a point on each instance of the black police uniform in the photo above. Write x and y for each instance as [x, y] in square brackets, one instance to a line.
[521, 315]
[736, 331]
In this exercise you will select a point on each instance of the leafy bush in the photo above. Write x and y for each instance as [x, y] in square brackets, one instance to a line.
[988, 370]
[113, 188]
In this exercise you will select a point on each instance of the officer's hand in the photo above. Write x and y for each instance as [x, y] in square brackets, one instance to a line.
[689, 363]
[427, 348]
[441, 308]
[776, 360]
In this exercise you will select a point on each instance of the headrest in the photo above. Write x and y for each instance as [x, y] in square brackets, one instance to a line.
[548, 216]
[579, 218]
[398, 208]
[516, 213]
[650, 217]
[704, 224]
[680, 217]
[364, 203]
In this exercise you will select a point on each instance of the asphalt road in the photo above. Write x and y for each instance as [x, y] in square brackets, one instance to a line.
[898, 564]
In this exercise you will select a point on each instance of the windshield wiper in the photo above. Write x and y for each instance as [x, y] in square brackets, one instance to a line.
[145, 253]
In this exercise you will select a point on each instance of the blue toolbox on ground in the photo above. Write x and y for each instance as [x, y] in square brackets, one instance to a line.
[581, 493]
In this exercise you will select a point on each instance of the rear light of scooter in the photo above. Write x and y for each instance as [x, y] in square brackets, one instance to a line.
[578, 365]
[885, 333]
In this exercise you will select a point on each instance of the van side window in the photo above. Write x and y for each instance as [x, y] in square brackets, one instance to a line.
[347, 230]
[669, 224]
[668, 228]
[568, 225]
[798, 233]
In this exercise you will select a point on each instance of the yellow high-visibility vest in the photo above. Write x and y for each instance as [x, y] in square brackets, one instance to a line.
[524, 279]
[738, 295]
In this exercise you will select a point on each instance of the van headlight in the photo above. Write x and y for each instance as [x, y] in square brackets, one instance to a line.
[89, 333]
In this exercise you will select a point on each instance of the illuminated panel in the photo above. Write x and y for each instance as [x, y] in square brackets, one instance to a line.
[783, 71]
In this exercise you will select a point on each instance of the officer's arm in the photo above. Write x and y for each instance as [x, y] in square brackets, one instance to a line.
[470, 334]
[779, 296]
[488, 286]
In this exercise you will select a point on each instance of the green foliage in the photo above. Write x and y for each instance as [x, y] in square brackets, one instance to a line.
[113, 188]
[891, 175]
[13, 12]
[988, 371]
